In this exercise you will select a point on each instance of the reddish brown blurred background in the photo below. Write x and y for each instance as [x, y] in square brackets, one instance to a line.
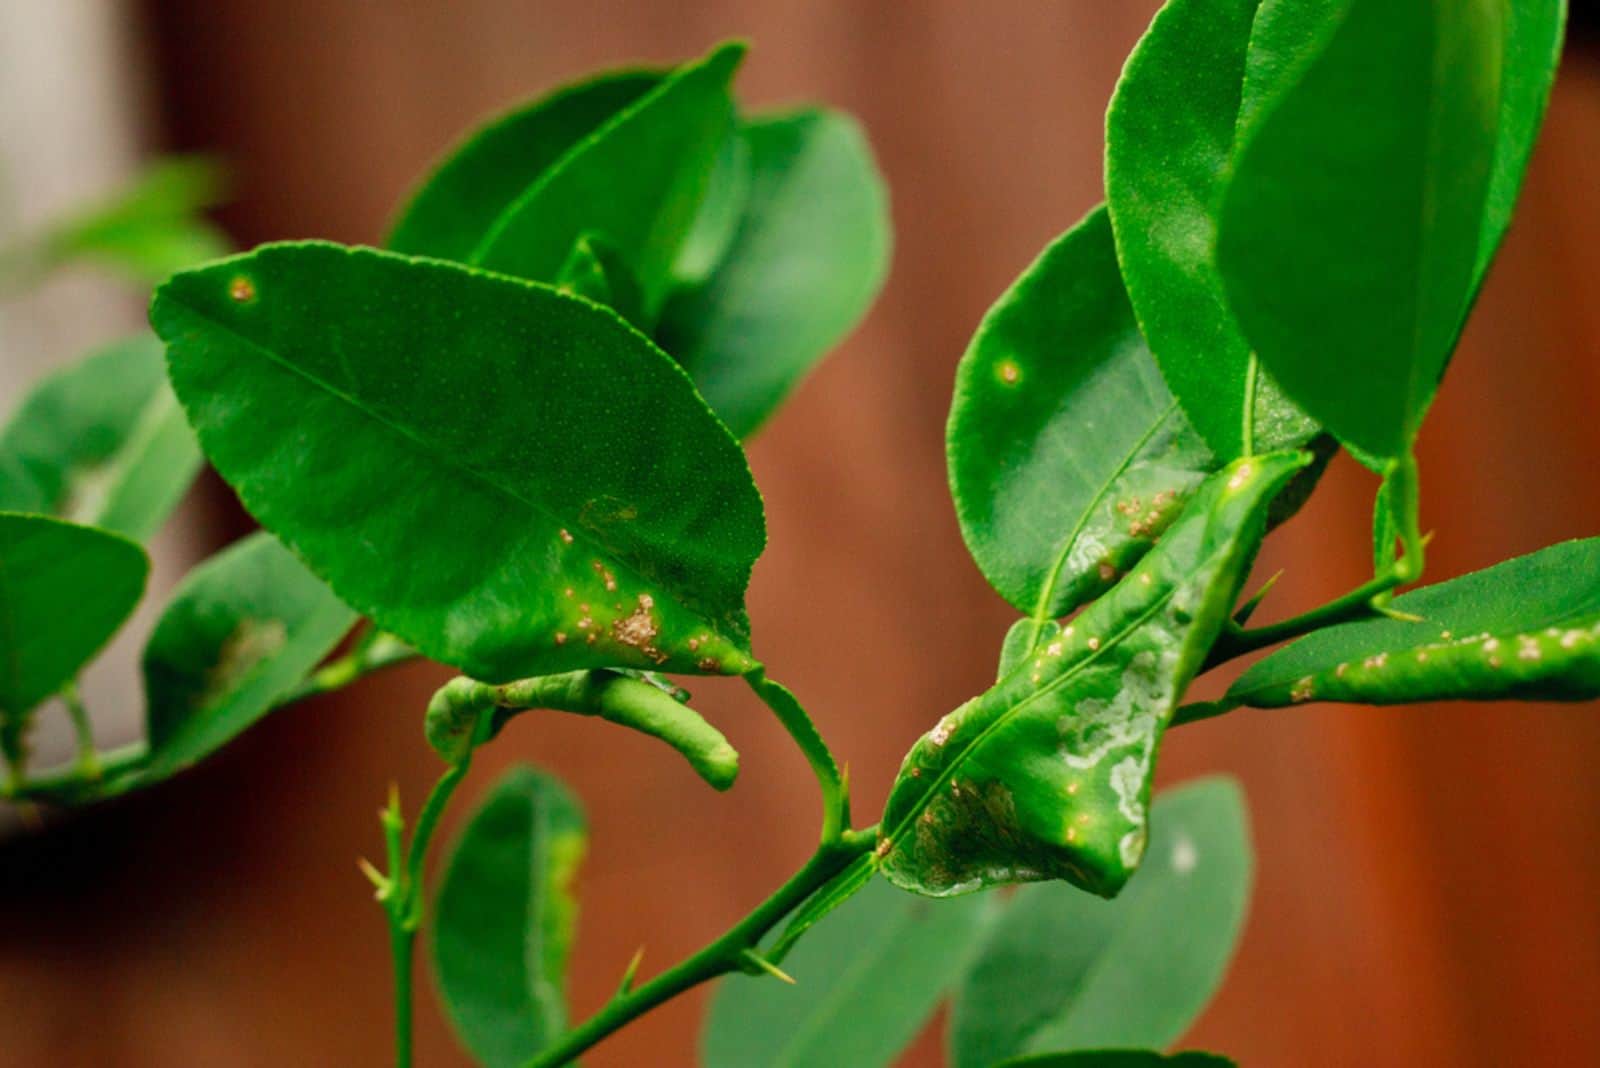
[1428, 880]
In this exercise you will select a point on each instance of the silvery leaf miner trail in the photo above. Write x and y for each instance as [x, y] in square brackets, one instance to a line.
[1048, 774]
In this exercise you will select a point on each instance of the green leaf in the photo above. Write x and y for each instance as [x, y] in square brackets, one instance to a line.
[1350, 227]
[505, 915]
[622, 698]
[727, 192]
[456, 205]
[64, 591]
[1533, 40]
[1048, 774]
[810, 253]
[1068, 455]
[1120, 1058]
[638, 179]
[508, 478]
[596, 271]
[102, 443]
[146, 231]
[1528, 628]
[241, 630]
[866, 979]
[1064, 971]
[1169, 137]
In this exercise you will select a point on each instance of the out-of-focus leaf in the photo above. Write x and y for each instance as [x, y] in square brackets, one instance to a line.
[504, 918]
[638, 180]
[64, 591]
[1048, 775]
[241, 630]
[866, 979]
[150, 229]
[1120, 1058]
[809, 253]
[102, 443]
[456, 205]
[1063, 971]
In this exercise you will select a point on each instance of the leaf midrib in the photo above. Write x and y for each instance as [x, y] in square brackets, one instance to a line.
[955, 762]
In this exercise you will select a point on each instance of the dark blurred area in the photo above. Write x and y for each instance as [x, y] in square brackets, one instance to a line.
[1427, 880]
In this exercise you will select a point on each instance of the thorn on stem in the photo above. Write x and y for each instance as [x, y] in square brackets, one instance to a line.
[767, 966]
[631, 971]
[381, 882]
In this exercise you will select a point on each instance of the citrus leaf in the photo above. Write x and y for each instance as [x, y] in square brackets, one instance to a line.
[559, 495]
[1068, 455]
[504, 918]
[1064, 971]
[1533, 40]
[596, 271]
[622, 698]
[809, 253]
[456, 205]
[1120, 1058]
[144, 232]
[64, 591]
[1048, 774]
[102, 443]
[1351, 222]
[638, 179]
[240, 631]
[1169, 137]
[866, 979]
[1527, 628]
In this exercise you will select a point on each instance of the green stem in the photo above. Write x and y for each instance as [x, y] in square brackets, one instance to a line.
[790, 713]
[1356, 604]
[401, 894]
[725, 955]
[373, 652]
[88, 766]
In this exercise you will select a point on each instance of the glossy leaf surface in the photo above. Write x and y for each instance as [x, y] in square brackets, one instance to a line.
[64, 591]
[638, 180]
[810, 251]
[1533, 40]
[102, 443]
[1169, 137]
[1527, 628]
[504, 918]
[560, 496]
[1064, 971]
[1350, 226]
[1068, 454]
[1048, 775]
[457, 204]
[866, 979]
[241, 630]
[1120, 1058]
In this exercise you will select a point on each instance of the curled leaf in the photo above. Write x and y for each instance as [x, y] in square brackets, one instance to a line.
[454, 712]
[1526, 629]
[1048, 775]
